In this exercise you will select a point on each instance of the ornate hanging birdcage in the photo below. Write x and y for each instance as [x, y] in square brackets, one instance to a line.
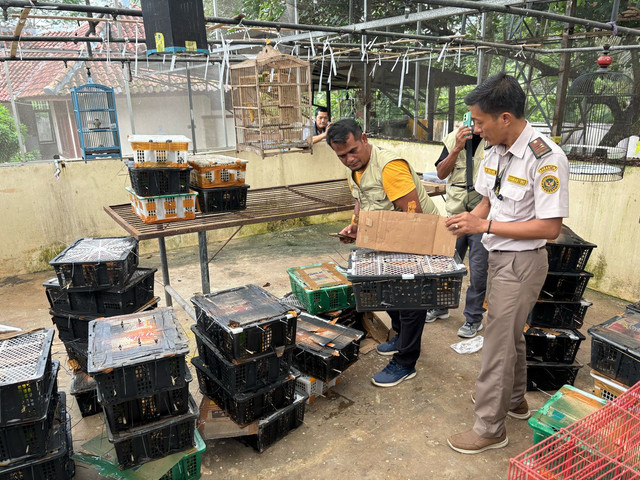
[272, 103]
[599, 112]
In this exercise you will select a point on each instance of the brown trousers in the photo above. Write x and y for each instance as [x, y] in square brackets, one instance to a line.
[513, 286]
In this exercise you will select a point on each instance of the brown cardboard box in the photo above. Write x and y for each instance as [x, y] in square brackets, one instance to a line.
[402, 232]
[215, 423]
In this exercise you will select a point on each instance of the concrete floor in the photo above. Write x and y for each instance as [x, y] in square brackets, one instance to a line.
[358, 430]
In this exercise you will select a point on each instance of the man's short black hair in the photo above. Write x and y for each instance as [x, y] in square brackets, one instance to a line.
[497, 94]
[339, 131]
[321, 109]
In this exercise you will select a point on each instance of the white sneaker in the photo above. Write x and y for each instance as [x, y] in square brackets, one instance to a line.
[436, 313]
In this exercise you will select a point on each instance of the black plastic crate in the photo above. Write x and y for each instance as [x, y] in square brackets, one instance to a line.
[149, 182]
[615, 348]
[25, 370]
[23, 440]
[56, 464]
[553, 314]
[244, 408]
[137, 355]
[246, 322]
[324, 350]
[552, 345]
[549, 376]
[96, 263]
[565, 286]
[277, 425]
[181, 26]
[78, 354]
[248, 375]
[84, 389]
[141, 411]
[155, 440]
[399, 281]
[137, 292]
[221, 199]
[568, 252]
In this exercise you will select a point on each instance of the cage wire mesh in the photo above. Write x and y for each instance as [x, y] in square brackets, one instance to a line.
[599, 112]
[272, 103]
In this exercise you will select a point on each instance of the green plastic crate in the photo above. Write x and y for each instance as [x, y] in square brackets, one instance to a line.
[565, 407]
[189, 467]
[321, 288]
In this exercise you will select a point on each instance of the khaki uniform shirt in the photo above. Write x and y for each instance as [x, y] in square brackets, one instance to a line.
[458, 199]
[534, 185]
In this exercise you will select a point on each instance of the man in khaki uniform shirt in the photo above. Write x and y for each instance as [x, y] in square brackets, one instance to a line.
[524, 183]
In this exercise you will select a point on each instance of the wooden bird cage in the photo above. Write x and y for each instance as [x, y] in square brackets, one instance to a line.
[272, 103]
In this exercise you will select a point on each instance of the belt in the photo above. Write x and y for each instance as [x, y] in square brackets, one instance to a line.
[517, 251]
[468, 189]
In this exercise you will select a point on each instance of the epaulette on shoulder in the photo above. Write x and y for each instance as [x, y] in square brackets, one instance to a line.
[539, 147]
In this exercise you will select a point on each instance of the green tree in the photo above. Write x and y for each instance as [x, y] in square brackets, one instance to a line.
[9, 146]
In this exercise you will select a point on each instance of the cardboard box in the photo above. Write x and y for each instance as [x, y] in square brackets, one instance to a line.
[214, 423]
[416, 233]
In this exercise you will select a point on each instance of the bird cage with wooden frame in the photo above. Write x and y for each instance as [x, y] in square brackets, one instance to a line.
[599, 112]
[272, 103]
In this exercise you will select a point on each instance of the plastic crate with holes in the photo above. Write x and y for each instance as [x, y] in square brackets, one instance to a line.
[188, 468]
[277, 425]
[96, 263]
[221, 199]
[324, 350]
[20, 439]
[55, 461]
[212, 171]
[244, 408]
[565, 286]
[131, 356]
[84, 390]
[551, 376]
[398, 281]
[312, 387]
[321, 287]
[615, 348]
[137, 292]
[155, 440]
[605, 387]
[246, 322]
[554, 314]
[240, 377]
[568, 252]
[163, 208]
[159, 151]
[25, 375]
[78, 355]
[148, 182]
[124, 416]
[552, 344]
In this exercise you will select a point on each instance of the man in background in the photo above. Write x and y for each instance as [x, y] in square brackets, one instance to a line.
[320, 125]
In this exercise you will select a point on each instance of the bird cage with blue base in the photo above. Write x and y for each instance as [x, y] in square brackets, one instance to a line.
[599, 113]
[94, 106]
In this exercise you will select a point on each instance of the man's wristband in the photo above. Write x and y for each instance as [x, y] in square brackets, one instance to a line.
[489, 227]
[354, 219]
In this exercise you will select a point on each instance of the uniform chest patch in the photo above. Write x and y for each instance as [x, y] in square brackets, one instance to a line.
[518, 180]
[550, 184]
[539, 147]
[490, 171]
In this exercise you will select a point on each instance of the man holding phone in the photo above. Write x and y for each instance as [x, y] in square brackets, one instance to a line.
[380, 180]
[458, 163]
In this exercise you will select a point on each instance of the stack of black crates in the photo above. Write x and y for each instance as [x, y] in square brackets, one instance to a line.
[552, 332]
[615, 353]
[35, 430]
[95, 277]
[219, 181]
[139, 366]
[245, 340]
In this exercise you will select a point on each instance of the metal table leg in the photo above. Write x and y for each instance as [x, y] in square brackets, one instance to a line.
[165, 269]
[204, 262]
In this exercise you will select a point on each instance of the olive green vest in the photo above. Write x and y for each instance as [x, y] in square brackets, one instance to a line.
[371, 194]
[458, 199]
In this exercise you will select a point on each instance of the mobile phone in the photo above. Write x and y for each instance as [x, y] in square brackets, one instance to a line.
[467, 119]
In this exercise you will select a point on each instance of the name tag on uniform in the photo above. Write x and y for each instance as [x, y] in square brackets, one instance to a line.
[490, 171]
[518, 180]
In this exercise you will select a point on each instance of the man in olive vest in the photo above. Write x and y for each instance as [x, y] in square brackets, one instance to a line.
[380, 180]
[462, 148]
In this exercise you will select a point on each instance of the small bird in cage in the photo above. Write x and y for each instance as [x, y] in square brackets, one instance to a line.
[96, 123]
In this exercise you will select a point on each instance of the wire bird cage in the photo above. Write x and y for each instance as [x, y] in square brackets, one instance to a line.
[96, 121]
[600, 109]
[272, 103]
